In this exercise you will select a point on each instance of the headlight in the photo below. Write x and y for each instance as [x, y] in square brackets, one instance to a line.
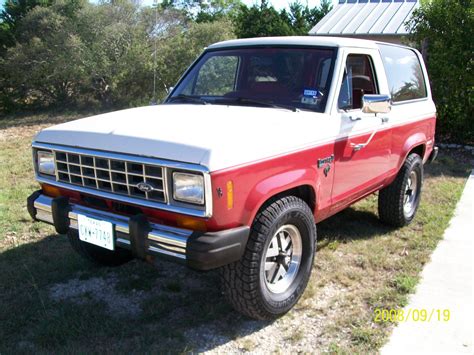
[188, 188]
[46, 162]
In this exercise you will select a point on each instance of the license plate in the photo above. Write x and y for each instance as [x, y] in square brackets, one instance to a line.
[95, 231]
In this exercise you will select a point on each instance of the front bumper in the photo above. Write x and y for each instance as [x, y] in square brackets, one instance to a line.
[199, 250]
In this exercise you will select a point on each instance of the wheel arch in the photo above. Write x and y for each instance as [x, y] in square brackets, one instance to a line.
[304, 192]
[299, 183]
[419, 149]
[414, 144]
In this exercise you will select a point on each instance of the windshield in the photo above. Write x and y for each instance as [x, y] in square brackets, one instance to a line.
[291, 78]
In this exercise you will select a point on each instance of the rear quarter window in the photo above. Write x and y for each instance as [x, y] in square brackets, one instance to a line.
[404, 74]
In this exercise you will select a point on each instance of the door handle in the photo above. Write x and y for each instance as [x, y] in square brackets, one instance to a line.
[359, 146]
[358, 118]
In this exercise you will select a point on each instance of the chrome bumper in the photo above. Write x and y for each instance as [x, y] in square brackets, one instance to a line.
[203, 251]
[161, 239]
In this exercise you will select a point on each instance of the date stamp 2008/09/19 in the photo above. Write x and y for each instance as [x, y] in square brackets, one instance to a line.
[411, 314]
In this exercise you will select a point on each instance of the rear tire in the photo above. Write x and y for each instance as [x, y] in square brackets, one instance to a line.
[276, 265]
[96, 254]
[399, 201]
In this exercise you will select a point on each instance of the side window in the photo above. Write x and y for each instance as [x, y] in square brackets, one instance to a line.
[405, 77]
[217, 76]
[359, 79]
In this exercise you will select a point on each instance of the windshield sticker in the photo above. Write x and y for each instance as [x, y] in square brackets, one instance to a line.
[311, 96]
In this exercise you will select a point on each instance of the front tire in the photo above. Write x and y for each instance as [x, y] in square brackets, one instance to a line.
[399, 201]
[96, 254]
[276, 265]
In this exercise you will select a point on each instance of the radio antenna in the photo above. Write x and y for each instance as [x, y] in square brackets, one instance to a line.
[155, 4]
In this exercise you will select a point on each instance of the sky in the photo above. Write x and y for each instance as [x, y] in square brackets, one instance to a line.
[278, 4]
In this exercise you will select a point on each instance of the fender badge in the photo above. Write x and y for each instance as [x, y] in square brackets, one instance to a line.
[326, 170]
[327, 160]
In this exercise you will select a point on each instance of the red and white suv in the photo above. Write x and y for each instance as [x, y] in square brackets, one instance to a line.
[259, 140]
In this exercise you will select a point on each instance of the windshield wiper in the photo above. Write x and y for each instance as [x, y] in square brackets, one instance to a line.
[189, 99]
[264, 103]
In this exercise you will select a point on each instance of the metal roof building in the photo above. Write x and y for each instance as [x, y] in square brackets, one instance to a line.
[370, 19]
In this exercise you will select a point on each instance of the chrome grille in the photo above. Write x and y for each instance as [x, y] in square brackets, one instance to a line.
[111, 175]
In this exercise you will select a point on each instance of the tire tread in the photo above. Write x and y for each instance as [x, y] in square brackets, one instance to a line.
[391, 198]
[240, 280]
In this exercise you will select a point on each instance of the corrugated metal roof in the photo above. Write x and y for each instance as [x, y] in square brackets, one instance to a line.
[366, 17]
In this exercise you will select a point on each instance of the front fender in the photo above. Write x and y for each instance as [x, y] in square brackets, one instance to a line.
[273, 185]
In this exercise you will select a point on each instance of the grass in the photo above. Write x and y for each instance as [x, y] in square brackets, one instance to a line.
[361, 265]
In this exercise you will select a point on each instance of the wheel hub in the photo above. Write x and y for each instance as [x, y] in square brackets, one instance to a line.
[409, 202]
[282, 258]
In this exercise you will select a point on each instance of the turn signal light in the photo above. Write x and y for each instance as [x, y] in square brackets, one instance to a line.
[230, 195]
[51, 191]
[191, 223]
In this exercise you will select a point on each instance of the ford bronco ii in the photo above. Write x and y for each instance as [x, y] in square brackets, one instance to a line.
[259, 140]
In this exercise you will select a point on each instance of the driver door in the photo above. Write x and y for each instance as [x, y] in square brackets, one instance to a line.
[362, 150]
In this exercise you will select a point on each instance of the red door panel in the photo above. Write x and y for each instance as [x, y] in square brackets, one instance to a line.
[358, 171]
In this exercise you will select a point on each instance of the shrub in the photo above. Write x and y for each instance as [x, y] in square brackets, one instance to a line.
[446, 27]
[99, 56]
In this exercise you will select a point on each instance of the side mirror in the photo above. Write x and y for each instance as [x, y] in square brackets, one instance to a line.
[376, 104]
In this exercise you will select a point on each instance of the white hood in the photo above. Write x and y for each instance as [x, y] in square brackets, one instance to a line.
[215, 136]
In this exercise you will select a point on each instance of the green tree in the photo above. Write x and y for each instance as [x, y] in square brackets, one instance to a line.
[217, 10]
[315, 14]
[12, 13]
[15, 10]
[118, 56]
[203, 10]
[100, 55]
[446, 27]
[176, 53]
[95, 55]
[46, 64]
[261, 21]
[298, 20]
[302, 18]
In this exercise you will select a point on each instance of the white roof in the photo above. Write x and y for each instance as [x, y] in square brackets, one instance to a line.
[296, 41]
[366, 17]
